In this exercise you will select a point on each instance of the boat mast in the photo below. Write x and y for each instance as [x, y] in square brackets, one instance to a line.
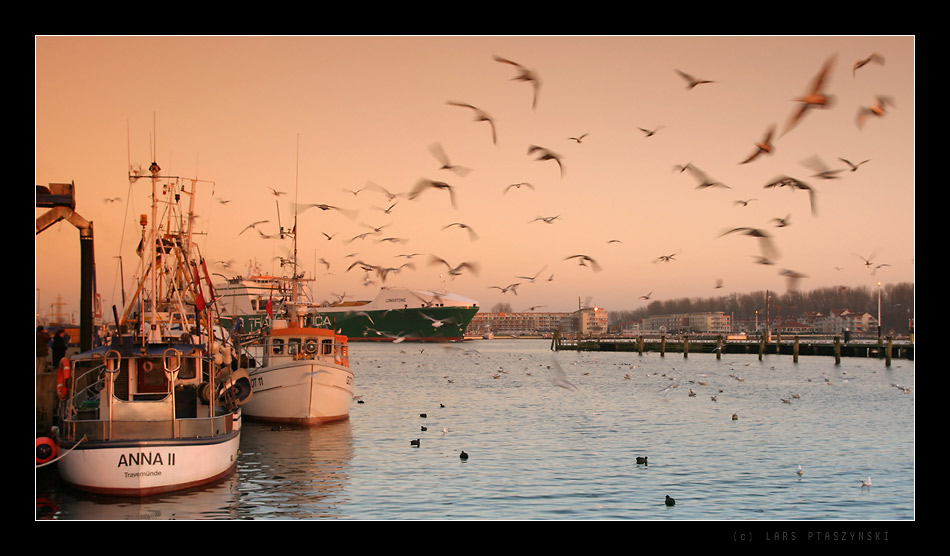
[293, 292]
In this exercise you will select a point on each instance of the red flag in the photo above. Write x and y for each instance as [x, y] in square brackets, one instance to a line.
[204, 267]
[199, 296]
[270, 307]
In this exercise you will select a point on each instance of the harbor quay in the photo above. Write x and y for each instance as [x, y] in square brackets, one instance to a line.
[881, 348]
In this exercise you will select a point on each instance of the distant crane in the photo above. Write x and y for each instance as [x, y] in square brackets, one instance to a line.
[60, 198]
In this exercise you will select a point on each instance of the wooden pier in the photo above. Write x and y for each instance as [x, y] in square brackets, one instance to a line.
[883, 348]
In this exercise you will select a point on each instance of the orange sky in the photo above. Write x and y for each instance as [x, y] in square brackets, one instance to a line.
[231, 110]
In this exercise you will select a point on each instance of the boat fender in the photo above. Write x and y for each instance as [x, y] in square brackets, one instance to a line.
[45, 450]
[239, 386]
[227, 354]
[62, 378]
[310, 347]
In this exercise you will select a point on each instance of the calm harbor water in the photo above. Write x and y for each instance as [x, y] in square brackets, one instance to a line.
[538, 451]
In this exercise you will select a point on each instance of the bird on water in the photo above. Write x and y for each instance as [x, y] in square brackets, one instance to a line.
[670, 501]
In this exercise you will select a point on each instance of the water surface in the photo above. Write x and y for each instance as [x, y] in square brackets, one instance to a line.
[540, 451]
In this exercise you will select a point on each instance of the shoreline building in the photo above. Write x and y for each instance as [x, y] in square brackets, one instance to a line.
[716, 322]
[589, 321]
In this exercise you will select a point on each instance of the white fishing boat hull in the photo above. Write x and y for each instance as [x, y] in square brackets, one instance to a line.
[300, 392]
[143, 468]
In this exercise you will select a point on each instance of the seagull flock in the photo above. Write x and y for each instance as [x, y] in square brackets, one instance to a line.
[442, 183]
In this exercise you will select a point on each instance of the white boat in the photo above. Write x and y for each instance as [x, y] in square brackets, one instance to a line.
[299, 374]
[158, 408]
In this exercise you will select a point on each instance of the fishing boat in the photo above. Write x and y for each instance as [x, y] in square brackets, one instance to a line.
[157, 408]
[299, 374]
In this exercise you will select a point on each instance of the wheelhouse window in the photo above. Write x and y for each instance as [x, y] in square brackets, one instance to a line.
[293, 346]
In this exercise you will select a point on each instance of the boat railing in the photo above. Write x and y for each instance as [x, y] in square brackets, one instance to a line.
[89, 410]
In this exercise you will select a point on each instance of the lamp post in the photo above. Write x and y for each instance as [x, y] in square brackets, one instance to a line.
[878, 310]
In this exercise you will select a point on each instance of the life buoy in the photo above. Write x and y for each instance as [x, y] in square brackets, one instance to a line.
[310, 346]
[62, 378]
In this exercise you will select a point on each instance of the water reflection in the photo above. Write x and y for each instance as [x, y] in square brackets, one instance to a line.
[294, 472]
[287, 473]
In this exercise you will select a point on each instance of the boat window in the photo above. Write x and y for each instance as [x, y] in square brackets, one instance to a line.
[327, 347]
[188, 368]
[277, 346]
[150, 376]
[293, 346]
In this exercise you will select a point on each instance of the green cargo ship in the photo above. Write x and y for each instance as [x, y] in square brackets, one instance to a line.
[395, 315]
[401, 314]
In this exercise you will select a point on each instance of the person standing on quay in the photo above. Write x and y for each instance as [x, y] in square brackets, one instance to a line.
[42, 349]
[59, 347]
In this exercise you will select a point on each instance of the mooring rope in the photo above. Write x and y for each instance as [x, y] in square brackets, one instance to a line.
[64, 454]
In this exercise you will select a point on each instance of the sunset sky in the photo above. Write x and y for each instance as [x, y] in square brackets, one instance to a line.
[320, 117]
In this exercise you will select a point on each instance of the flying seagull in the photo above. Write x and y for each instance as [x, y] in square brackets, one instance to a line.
[480, 116]
[518, 186]
[351, 214]
[793, 278]
[764, 146]
[692, 81]
[531, 279]
[559, 377]
[875, 57]
[786, 181]
[546, 154]
[782, 222]
[524, 74]
[766, 245]
[425, 184]
[875, 110]
[457, 270]
[822, 171]
[583, 260]
[704, 180]
[815, 97]
[471, 233]
[253, 225]
[854, 167]
[439, 153]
